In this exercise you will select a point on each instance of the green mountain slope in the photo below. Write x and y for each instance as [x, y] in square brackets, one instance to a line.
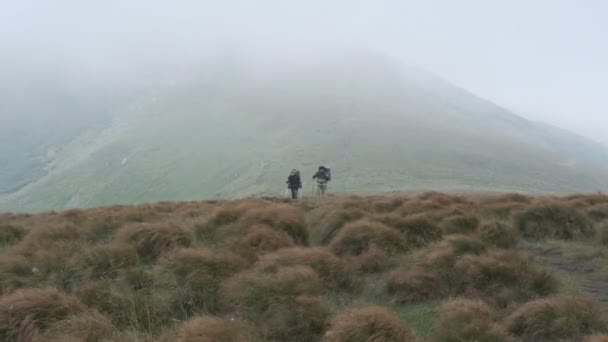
[229, 132]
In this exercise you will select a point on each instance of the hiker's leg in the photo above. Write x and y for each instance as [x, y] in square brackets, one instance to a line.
[294, 194]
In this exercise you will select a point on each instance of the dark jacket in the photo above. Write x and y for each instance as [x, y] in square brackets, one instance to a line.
[294, 182]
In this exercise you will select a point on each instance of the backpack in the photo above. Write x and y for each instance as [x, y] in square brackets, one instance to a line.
[326, 172]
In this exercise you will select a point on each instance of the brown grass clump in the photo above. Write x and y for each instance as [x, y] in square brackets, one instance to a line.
[330, 223]
[330, 269]
[388, 205]
[598, 212]
[106, 260]
[199, 273]
[498, 234]
[215, 329]
[10, 234]
[459, 267]
[25, 313]
[419, 229]
[460, 224]
[371, 324]
[151, 240]
[283, 304]
[89, 325]
[253, 293]
[554, 220]
[463, 320]
[357, 237]
[259, 240]
[603, 233]
[557, 318]
[15, 272]
[596, 338]
[302, 318]
[284, 218]
[143, 310]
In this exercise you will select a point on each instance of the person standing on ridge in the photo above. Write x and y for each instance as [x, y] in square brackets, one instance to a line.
[322, 176]
[294, 183]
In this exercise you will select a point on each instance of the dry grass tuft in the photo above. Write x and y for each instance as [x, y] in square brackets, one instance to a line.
[215, 329]
[259, 240]
[331, 222]
[371, 324]
[557, 318]
[86, 326]
[302, 318]
[554, 220]
[151, 240]
[596, 338]
[330, 269]
[107, 260]
[598, 212]
[498, 234]
[253, 293]
[447, 269]
[460, 224]
[25, 313]
[419, 230]
[284, 218]
[199, 273]
[11, 234]
[463, 320]
[357, 237]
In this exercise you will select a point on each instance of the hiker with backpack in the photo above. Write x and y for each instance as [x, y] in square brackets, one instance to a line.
[323, 176]
[294, 183]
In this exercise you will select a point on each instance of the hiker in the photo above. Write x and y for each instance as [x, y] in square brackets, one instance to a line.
[322, 176]
[294, 183]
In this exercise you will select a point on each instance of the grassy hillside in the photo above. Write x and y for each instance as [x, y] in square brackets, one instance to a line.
[426, 267]
[231, 132]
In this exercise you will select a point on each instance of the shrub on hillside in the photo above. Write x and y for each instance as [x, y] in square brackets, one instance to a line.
[356, 238]
[258, 240]
[554, 220]
[25, 313]
[89, 325]
[212, 329]
[300, 319]
[419, 229]
[464, 320]
[598, 212]
[330, 269]
[11, 234]
[587, 200]
[372, 324]
[144, 310]
[284, 218]
[16, 272]
[502, 211]
[460, 224]
[199, 273]
[498, 234]
[497, 276]
[106, 260]
[54, 232]
[252, 293]
[222, 221]
[603, 233]
[387, 205]
[151, 240]
[331, 223]
[557, 318]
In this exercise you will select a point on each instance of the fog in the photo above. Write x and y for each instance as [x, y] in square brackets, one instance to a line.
[544, 59]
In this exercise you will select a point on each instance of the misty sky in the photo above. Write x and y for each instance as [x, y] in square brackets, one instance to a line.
[545, 59]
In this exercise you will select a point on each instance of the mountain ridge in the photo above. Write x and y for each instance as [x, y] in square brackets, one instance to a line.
[234, 132]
